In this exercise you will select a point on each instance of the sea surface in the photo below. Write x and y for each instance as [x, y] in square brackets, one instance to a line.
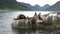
[6, 18]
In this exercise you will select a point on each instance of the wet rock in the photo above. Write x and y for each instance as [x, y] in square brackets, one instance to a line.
[21, 16]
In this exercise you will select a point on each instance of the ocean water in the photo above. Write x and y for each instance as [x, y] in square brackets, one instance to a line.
[6, 18]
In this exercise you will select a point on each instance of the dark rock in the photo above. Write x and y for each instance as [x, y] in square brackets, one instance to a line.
[21, 16]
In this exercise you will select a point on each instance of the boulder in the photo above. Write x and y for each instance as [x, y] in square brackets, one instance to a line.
[21, 16]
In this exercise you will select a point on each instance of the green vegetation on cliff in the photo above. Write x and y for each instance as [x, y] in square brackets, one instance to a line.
[11, 5]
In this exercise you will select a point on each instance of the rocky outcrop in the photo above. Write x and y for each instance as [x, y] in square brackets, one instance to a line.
[37, 22]
[22, 21]
[21, 16]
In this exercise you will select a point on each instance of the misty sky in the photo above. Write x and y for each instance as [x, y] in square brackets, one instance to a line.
[39, 2]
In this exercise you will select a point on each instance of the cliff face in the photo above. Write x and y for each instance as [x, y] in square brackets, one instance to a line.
[11, 5]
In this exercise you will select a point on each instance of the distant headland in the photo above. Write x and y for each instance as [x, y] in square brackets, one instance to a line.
[14, 5]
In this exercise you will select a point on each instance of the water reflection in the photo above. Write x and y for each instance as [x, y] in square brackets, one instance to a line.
[18, 31]
[42, 31]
